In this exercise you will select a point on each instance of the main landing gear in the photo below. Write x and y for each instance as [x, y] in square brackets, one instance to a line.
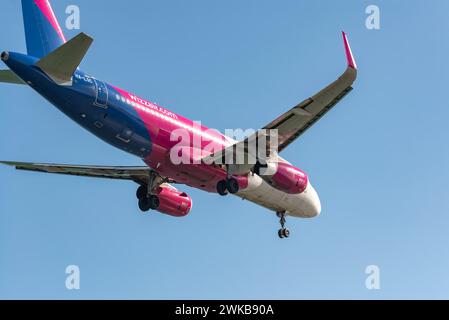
[148, 200]
[283, 232]
[230, 185]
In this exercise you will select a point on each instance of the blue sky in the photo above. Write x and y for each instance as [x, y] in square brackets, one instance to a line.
[379, 160]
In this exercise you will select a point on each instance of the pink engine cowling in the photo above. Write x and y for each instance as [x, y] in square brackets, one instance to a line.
[288, 179]
[173, 202]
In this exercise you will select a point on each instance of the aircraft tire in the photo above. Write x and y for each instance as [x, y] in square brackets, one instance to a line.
[232, 186]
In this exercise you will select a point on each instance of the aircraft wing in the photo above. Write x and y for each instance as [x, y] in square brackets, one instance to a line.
[296, 121]
[137, 174]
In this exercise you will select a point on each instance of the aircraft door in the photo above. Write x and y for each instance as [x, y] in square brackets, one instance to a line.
[101, 99]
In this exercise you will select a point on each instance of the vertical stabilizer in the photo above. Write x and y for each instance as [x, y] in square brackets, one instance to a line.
[42, 31]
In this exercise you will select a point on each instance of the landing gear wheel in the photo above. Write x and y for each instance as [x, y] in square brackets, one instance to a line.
[144, 204]
[222, 188]
[141, 192]
[283, 232]
[232, 185]
[154, 202]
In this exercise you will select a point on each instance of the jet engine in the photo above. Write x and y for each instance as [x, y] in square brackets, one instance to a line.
[173, 202]
[283, 176]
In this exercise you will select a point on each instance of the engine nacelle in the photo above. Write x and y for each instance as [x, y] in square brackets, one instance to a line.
[285, 177]
[173, 202]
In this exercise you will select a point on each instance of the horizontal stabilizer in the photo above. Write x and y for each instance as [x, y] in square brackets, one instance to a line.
[7, 76]
[60, 65]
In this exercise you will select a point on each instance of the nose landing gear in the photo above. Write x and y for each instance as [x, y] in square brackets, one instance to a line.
[283, 232]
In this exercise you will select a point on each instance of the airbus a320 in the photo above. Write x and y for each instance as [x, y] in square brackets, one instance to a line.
[144, 129]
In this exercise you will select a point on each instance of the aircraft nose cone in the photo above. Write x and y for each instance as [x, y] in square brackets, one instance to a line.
[5, 56]
[314, 202]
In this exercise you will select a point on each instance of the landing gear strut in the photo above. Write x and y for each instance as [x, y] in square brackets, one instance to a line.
[283, 232]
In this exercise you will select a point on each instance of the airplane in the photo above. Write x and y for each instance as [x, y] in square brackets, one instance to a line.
[144, 129]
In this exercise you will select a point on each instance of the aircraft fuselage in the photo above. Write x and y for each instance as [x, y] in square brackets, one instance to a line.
[144, 129]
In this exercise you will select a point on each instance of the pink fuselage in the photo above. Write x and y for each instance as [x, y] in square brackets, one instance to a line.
[161, 123]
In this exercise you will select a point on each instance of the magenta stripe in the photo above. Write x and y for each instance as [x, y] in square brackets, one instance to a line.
[46, 9]
[349, 56]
